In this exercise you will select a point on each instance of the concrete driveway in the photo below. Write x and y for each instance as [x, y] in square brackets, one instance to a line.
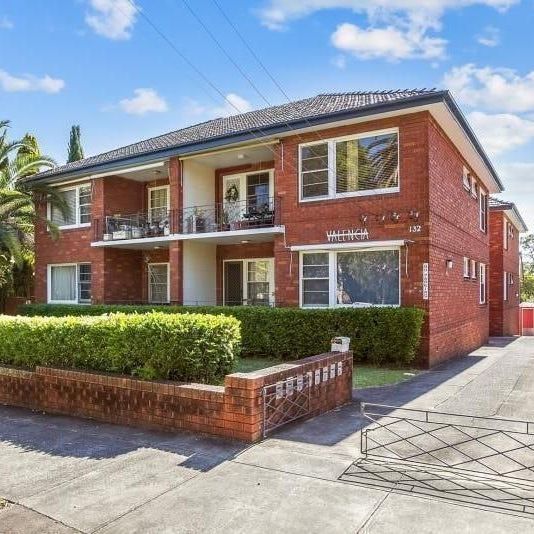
[60, 474]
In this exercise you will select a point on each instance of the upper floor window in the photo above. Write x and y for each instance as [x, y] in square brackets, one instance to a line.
[78, 199]
[466, 179]
[350, 166]
[505, 286]
[482, 283]
[466, 267]
[506, 234]
[483, 210]
[474, 187]
[158, 202]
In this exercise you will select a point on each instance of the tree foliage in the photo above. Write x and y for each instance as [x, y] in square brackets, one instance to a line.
[75, 149]
[527, 282]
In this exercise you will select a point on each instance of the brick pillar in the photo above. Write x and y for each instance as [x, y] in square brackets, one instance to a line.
[176, 247]
[286, 274]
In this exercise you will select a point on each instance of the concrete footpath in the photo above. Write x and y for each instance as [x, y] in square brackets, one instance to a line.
[62, 475]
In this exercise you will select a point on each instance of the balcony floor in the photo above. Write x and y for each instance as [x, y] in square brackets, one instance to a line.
[231, 237]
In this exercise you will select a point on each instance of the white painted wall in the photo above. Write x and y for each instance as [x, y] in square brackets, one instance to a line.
[200, 272]
[198, 184]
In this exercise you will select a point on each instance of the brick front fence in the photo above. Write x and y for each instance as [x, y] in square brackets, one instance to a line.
[235, 410]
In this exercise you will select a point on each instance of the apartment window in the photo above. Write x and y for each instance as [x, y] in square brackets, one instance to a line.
[505, 286]
[358, 165]
[258, 287]
[158, 202]
[69, 283]
[474, 187]
[483, 211]
[315, 279]
[466, 179]
[359, 278]
[482, 283]
[78, 199]
[473, 270]
[511, 279]
[158, 283]
[248, 282]
[506, 234]
[466, 267]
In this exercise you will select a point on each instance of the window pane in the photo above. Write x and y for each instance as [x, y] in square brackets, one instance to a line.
[317, 258]
[258, 293]
[84, 282]
[85, 204]
[314, 184]
[367, 163]
[56, 216]
[315, 279]
[158, 289]
[315, 293]
[258, 271]
[158, 203]
[347, 166]
[258, 191]
[63, 283]
[368, 277]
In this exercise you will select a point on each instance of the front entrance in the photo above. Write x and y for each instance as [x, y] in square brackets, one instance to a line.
[249, 282]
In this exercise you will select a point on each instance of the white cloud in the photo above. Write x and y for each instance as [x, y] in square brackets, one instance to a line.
[27, 82]
[517, 178]
[388, 42]
[491, 36]
[113, 19]
[492, 88]
[6, 23]
[278, 13]
[146, 100]
[501, 132]
[234, 105]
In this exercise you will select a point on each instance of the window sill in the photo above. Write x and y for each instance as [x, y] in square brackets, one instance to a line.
[344, 196]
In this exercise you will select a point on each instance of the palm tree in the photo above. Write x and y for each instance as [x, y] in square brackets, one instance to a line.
[18, 200]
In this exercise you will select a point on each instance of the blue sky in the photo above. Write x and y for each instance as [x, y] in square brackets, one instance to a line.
[101, 64]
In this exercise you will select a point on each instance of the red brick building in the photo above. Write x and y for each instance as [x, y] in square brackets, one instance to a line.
[352, 199]
[505, 225]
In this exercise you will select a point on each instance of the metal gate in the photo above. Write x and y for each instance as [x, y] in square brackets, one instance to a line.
[472, 459]
[286, 401]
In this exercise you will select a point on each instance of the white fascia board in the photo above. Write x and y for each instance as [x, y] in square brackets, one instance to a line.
[395, 243]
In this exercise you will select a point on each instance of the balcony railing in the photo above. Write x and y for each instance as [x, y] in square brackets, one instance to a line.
[255, 212]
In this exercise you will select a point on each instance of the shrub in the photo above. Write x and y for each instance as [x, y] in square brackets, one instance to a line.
[378, 335]
[152, 345]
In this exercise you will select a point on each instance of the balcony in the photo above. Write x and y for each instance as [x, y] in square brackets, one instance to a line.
[256, 216]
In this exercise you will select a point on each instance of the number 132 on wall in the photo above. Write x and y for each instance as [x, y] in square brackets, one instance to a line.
[414, 228]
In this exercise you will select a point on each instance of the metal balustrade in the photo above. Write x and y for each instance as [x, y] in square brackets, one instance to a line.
[255, 212]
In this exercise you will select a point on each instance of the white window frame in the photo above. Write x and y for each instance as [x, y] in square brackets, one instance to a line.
[49, 283]
[506, 234]
[474, 186]
[473, 270]
[466, 179]
[466, 267]
[77, 224]
[149, 265]
[332, 277]
[482, 283]
[505, 286]
[483, 211]
[149, 193]
[331, 167]
[244, 281]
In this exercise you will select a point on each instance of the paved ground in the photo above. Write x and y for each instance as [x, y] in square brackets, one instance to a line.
[63, 475]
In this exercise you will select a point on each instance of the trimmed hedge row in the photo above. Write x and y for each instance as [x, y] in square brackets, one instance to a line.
[378, 335]
[155, 345]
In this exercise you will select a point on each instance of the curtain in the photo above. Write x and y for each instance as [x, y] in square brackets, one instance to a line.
[63, 282]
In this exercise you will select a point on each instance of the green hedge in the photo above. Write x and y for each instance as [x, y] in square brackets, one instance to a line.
[154, 345]
[378, 335]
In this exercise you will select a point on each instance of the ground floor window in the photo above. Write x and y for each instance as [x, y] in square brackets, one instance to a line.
[249, 281]
[158, 283]
[350, 278]
[69, 283]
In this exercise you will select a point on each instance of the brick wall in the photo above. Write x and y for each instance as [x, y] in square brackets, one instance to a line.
[504, 315]
[234, 410]
[457, 322]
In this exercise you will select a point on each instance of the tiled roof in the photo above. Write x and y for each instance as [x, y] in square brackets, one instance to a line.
[252, 121]
[495, 203]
